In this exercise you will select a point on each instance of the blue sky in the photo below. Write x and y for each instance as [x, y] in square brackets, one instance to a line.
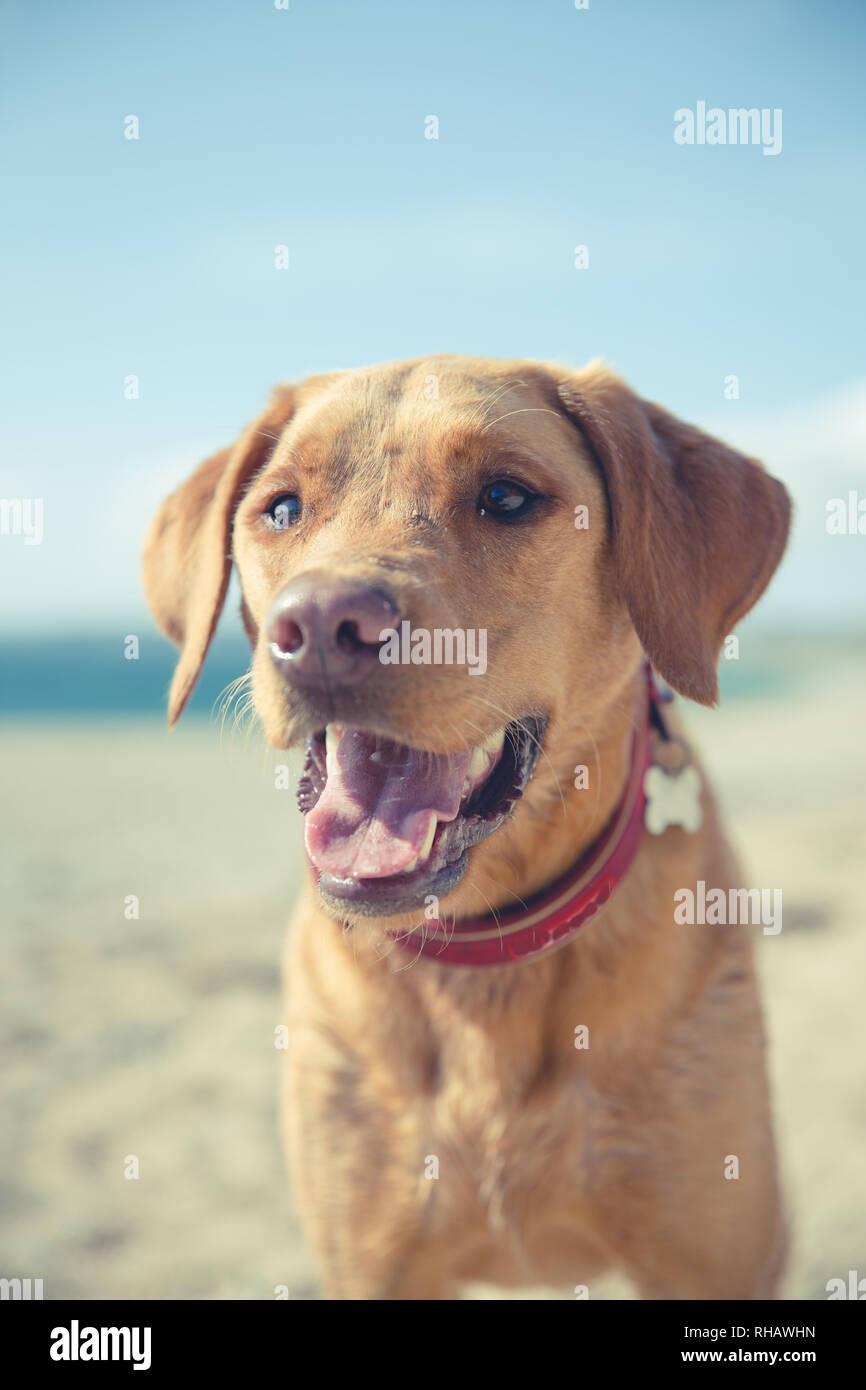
[305, 127]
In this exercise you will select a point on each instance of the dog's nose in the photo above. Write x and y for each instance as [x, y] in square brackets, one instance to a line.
[323, 630]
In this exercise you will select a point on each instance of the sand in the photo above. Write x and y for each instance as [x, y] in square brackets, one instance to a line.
[153, 1036]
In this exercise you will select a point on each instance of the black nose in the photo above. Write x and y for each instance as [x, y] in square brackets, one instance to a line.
[324, 630]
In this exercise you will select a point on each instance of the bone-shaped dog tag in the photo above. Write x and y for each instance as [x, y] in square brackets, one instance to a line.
[673, 798]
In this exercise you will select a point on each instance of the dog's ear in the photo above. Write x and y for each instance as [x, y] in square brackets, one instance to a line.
[697, 528]
[187, 555]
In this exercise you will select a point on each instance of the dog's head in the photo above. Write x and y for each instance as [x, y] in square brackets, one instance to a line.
[449, 565]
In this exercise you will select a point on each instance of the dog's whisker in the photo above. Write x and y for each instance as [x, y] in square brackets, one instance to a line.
[232, 695]
[524, 410]
[494, 913]
[481, 413]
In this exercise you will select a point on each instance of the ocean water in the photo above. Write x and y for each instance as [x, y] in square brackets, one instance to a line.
[90, 675]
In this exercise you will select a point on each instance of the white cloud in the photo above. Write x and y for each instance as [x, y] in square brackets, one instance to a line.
[818, 449]
[819, 443]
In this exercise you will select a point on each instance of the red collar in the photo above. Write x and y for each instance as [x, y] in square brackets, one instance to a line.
[552, 917]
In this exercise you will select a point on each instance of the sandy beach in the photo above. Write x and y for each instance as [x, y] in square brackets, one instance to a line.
[152, 1036]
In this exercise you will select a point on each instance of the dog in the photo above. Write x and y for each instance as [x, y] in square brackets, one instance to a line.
[508, 1061]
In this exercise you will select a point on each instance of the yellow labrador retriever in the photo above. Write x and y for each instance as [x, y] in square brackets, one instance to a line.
[513, 1054]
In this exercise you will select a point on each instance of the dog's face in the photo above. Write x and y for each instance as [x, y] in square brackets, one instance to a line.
[447, 566]
[458, 509]
[443, 497]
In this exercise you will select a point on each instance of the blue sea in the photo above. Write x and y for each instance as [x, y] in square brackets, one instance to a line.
[90, 675]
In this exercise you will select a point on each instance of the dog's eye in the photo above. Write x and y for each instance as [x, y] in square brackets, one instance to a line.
[283, 511]
[505, 500]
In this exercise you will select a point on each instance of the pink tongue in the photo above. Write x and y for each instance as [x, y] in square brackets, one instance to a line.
[374, 814]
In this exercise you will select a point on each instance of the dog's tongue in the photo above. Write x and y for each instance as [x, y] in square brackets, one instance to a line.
[380, 804]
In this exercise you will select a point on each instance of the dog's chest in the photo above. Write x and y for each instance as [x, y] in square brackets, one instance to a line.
[513, 1134]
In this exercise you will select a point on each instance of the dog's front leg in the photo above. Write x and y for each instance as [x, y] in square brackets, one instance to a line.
[355, 1134]
[358, 1178]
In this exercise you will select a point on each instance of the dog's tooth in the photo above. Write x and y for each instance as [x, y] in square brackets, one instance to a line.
[425, 846]
[484, 756]
[478, 764]
[427, 842]
[333, 734]
[494, 743]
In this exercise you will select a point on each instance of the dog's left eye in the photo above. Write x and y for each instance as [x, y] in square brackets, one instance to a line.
[505, 499]
[283, 511]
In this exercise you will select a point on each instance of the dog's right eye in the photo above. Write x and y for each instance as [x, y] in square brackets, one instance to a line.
[505, 500]
[282, 511]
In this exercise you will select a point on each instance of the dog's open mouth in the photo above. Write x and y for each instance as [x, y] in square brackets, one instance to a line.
[388, 824]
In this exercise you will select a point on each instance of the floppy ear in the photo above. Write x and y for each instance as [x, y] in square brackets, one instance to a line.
[187, 555]
[697, 528]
